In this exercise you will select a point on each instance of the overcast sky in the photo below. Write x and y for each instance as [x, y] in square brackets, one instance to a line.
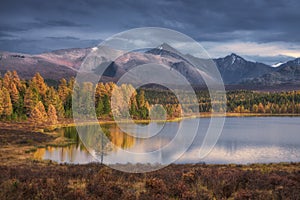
[267, 31]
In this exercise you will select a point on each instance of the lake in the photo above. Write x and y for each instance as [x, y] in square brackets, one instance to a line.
[243, 140]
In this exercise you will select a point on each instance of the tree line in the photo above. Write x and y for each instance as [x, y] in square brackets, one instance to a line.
[35, 101]
[242, 101]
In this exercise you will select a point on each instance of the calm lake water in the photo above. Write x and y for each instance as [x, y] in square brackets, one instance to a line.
[243, 140]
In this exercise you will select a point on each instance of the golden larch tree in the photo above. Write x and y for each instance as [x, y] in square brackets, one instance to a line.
[40, 84]
[38, 114]
[52, 116]
[7, 105]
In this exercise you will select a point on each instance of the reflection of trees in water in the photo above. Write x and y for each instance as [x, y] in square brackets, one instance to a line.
[101, 144]
[119, 138]
[39, 153]
[105, 141]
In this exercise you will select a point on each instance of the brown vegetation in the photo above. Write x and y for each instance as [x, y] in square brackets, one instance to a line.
[26, 178]
[94, 181]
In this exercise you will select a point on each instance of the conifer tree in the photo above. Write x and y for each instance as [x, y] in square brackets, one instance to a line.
[7, 79]
[53, 99]
[99, 108]
[106, 104]
[63, 90]
[38, 114]
[1, 102]
[14, 93]
[141, 99]
[7, 105]
[261, 108]
[31, 98]
[52, 116]
[16, 80]
[40, 84]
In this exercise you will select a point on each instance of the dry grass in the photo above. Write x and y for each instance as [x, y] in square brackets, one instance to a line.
[22, 177]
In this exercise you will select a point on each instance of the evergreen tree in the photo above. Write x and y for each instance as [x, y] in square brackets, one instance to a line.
[141, 99]
[99, 108]
[53, 99]
[106, 104]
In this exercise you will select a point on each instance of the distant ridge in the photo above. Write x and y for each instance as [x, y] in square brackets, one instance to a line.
[234, 69]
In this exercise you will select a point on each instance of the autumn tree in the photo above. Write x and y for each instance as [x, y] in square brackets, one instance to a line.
[52, 98]
[14, 93]
[261, 108]
[84, 104]
[255, 108]
[31, 98]
[7, 79]
[141, 99]
[38, 114]
[7, 105]
[100, 91]
[40, 84]
[63, 90]
[52, 116]
[1, 102]
[16, 80]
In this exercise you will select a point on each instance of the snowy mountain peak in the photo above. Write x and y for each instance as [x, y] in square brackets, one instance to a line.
[166, 47]
[277, 64]
[234, 58]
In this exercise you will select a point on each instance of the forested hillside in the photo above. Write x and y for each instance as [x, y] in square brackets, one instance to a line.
[35, 101]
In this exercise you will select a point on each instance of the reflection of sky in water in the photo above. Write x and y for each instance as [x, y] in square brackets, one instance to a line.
[243, 140]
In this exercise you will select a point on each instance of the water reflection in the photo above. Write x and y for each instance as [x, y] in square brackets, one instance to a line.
[243, 140]
[70, 154]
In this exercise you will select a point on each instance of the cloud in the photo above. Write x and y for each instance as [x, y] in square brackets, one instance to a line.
[43, 45]
[257, 23]
[59, 23]
[3, 34]
[253, 48]
[63, 38]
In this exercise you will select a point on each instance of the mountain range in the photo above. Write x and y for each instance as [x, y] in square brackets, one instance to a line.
[235, 70]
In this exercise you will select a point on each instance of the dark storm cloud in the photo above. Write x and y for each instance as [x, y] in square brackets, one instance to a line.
[259, 21]
[63, 38]
[4, 34]
[64, 23]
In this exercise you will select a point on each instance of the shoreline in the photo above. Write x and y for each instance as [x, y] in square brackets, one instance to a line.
[146, 121]
[25, 177]
[68, 122]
